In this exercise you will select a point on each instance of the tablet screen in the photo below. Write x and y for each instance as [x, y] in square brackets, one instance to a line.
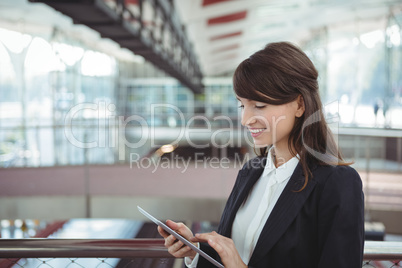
[179, 237]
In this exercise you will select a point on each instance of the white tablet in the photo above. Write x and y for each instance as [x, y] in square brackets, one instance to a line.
[182, 239]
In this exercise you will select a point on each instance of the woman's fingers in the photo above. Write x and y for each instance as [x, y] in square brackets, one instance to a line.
[162, 232]
[215, 240]
[223, 246]
[174, 246]
[185, 251]
[204, 237]
[177, 248]
[217, 246]
[180, 228]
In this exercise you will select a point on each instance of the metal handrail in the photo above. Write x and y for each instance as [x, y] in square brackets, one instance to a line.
[137, 248]
[382, 250]
[83, 248]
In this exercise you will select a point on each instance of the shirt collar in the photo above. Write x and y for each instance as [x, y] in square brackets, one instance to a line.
[284, 171]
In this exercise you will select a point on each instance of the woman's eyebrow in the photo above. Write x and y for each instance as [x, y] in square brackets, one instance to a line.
[247, 100]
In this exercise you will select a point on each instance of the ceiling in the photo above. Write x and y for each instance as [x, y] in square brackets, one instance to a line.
[41, 20]
[224, 32]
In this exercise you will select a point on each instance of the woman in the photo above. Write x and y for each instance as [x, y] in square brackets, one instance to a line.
[297, 204]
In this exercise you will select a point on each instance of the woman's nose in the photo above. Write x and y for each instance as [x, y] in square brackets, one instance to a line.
[247, 117]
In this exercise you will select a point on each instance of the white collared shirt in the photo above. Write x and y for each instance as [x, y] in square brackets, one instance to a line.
[253, 214]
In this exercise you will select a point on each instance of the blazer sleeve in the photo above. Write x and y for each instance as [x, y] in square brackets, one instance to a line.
[341, 220]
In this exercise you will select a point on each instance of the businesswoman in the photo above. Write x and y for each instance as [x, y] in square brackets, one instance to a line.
[298, 203]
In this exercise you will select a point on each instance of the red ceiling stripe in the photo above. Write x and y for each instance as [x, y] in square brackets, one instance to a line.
[131, 2]
[226, 48]
[223, 36]
[211, 2]
[228, 18]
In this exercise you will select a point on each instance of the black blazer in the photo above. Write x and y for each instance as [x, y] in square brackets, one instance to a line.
[320, 226]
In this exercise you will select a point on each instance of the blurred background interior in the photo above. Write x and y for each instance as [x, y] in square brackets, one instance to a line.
[110, 104]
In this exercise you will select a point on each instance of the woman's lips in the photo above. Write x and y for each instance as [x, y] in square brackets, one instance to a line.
[255, 132]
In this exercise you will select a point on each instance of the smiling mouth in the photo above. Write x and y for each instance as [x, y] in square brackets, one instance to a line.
[256, 130]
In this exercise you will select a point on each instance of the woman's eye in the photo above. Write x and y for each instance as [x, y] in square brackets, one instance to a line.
[260, 106]
[241, 106]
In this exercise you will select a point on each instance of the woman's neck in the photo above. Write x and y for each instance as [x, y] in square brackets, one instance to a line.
[281, 155]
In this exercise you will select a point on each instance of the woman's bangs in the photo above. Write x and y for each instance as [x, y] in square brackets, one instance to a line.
[254, 84]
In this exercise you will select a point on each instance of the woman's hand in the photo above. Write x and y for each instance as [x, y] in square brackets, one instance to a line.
[176, 247]
[224, 247]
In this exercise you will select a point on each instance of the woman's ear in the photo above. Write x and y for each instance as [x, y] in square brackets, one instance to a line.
[300, 106]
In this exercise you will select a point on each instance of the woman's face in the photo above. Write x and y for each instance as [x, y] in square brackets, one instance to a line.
[269, 124]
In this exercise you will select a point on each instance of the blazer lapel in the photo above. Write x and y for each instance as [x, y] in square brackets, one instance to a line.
[248, 178]
[286, 209]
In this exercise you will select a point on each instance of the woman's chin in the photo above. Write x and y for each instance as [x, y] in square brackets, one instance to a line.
[258, 145]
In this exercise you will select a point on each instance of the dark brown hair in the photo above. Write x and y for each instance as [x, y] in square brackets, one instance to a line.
[278, 74]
